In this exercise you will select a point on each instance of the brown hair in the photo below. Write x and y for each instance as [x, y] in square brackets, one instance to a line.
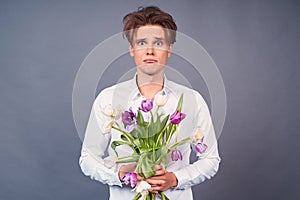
[149, 16]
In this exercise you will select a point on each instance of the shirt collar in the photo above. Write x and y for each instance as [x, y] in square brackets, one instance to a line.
[135, 92]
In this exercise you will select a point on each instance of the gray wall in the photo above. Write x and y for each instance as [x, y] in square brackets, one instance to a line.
[254, 43]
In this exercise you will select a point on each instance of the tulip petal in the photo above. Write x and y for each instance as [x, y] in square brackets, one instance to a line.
[130, 178]
[176, 155]
[146, 105]
[201, 148]
[177, 117]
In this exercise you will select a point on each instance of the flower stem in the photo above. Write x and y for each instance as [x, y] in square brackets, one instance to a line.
[176, 138]
[129, 137]
[171, 133]
[137, 196]
[160, 134]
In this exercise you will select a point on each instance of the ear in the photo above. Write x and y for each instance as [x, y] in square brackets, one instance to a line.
[170, 50]
[131, 51]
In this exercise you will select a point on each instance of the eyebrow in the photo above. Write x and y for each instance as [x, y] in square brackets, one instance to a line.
[156, 38]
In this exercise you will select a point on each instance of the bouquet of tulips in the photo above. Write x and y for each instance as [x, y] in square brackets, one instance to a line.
[150, 141]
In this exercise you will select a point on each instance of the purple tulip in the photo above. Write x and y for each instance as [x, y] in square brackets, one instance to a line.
[146, 105]
[129, 119]
[177, 117]
[176, 154]
[201, 148]
[130, 178]
[130, 127]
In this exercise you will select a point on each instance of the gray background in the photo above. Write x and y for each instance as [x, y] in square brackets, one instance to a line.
[254, 43]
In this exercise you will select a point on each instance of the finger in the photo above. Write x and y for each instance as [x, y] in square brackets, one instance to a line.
[154, 182]
[154, 191]
[160, 172]
[133, 164]
[157, 177]
[157, 188]
[158, 167]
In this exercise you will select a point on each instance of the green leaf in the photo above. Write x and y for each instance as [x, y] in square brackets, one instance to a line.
[131, 160]
[135, 133]
[148, 167]
[142, 132]
[134, 155]
[164, 155]
[139, 169]
[140, 118]
[179, 104]
[116, 143]
[159, 136]
[174, 146]
[164, 121]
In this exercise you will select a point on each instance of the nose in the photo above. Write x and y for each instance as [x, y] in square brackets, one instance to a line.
[150, 50]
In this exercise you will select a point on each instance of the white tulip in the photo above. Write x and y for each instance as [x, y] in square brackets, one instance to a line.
[108, 110]
[161, 99]
[198, 134]
[118, 112]
[143, 187]
[107, 127]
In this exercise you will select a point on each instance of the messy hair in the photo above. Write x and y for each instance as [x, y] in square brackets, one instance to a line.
[149, 16]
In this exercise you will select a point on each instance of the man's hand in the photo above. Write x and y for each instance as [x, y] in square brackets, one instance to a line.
[162, 180]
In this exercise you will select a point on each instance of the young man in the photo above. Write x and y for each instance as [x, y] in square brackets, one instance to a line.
[151, 34]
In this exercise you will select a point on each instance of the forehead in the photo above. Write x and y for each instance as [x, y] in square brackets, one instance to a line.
[150, 31]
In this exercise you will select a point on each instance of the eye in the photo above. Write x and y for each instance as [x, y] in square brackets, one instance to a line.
[141, 43]
[158, 43]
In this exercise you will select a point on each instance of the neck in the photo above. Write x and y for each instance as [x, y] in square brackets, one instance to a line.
[150, 85]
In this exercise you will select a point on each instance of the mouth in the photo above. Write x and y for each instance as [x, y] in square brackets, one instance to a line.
[149, 61]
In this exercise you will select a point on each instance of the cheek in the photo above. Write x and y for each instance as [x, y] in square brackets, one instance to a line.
[138, 58]
[165, 56]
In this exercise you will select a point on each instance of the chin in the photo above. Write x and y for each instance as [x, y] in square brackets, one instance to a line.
[151, 69]
[152, 66]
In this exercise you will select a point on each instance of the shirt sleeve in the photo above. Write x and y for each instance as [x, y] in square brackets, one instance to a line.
[94, 147]
[207, 163]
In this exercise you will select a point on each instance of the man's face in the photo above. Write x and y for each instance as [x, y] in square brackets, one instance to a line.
[150, 49]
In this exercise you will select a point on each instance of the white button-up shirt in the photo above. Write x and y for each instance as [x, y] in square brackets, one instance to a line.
[96, 151]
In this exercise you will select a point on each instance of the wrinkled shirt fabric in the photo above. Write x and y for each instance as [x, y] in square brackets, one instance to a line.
[97, 157]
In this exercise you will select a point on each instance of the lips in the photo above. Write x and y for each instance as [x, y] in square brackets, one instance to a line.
[149, 61]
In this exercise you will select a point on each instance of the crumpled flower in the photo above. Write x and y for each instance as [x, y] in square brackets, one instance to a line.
[146, 105]
[201, 148]
[143, 187]
[177, 117]
[129, 119]
[107, 126]
[199, 135]
[161, 99]
[113, 113]
[118, 112]
[130, 178]
[176, 154]
[108, 110]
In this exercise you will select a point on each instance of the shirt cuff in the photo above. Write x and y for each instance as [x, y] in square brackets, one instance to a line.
[183, 181]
